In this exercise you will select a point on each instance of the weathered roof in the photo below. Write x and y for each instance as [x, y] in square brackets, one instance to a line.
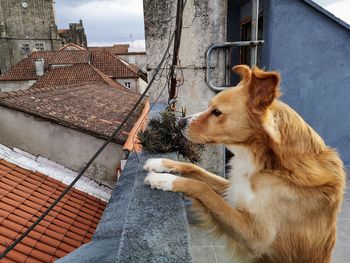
[24, 195]
[115, 49]
[112, 65]
[71, 46]
[74, 74]
[103, 60]
[63, 31]
[93, 108]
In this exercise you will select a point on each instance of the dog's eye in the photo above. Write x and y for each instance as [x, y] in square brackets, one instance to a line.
[216, 112]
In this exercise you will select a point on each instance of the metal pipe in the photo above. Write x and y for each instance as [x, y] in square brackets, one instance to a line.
[224, 45]
[254, 32]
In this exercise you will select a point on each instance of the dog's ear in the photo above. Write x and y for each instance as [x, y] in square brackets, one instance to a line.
[263, 89]
[244, 71]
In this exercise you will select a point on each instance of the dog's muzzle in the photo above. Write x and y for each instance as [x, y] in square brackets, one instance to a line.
[182, 122]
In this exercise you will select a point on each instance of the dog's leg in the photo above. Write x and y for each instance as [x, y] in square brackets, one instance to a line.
[188, 170]
[238, 224]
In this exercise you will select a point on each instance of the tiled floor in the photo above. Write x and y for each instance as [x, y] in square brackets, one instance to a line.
[206, 250]
[341, 252]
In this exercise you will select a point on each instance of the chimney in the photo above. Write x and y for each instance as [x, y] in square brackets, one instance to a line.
[39, 66]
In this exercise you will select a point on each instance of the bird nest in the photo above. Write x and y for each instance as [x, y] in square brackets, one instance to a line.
[164, 135]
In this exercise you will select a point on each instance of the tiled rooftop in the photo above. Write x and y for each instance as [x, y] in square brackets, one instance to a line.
[55, 171]
[24, 195]
[102, 60]
[74, 74]
[115, 49]
[63, 31]
[71, 46]
[112, 65]
[94, 108]
[119, 49]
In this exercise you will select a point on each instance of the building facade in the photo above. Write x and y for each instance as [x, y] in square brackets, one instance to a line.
[40, 64]
[303, 41]
[26, 26]
[75, 34]
[204, 23]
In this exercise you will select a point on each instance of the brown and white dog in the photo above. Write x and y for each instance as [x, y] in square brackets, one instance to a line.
[285, 189]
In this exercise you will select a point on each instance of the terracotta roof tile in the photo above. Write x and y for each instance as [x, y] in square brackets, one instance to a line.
[112, 65]
[105, 61]
[78, 74]
[24, 196]
[81, 107]
[7, 260]
[115, 49]
[70, 46]
[63, 30]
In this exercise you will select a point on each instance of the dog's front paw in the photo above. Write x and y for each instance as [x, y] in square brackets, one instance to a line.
[161, 181]
[156, 165]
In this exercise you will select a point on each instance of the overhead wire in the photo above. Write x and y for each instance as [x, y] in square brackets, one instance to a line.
[97, 153]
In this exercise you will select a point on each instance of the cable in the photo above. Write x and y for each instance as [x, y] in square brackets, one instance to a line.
[117, 130]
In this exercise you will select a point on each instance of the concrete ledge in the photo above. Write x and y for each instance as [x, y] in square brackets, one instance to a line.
[139, 224]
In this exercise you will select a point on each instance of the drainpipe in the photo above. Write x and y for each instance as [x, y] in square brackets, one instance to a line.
[254, 32]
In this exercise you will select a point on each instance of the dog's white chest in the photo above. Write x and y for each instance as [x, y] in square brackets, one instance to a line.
[242, 167]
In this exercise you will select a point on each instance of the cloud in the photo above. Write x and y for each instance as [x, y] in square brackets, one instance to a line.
[326, 2]
[105, 21]
[339, 8]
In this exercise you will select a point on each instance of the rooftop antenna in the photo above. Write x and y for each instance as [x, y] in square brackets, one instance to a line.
[131, 41]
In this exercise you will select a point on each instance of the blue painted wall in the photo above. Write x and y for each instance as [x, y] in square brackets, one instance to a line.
[312, 52]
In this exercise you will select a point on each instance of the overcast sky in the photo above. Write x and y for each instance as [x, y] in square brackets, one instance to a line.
[340, 8]
[108, 22]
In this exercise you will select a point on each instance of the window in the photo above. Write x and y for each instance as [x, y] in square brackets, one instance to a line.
[39, 46]
[132, 60]
[25, 49]
[245, 36]
[127, 84]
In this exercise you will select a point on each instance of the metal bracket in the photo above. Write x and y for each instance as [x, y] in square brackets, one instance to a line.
[224, 45]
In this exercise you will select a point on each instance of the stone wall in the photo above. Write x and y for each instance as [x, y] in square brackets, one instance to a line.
[75, 34]
[139, 224]
[204, 23]
[21, 24]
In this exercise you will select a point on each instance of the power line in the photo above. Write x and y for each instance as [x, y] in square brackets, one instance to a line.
[116, 132]
[178, 29]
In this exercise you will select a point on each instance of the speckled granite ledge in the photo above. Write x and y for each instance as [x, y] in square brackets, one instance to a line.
[139, 224]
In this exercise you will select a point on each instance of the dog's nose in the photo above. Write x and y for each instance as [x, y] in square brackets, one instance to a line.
[182, 122]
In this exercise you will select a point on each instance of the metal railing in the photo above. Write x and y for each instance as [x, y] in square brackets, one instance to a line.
[253, 43]
[225, 45]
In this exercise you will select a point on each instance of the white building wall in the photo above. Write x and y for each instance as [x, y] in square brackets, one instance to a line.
[133, 84]
[68, 147]
[138, 59]
[7, 86]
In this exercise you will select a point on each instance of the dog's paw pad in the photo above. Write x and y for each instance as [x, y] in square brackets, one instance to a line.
[161, 181]
[155, 165]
